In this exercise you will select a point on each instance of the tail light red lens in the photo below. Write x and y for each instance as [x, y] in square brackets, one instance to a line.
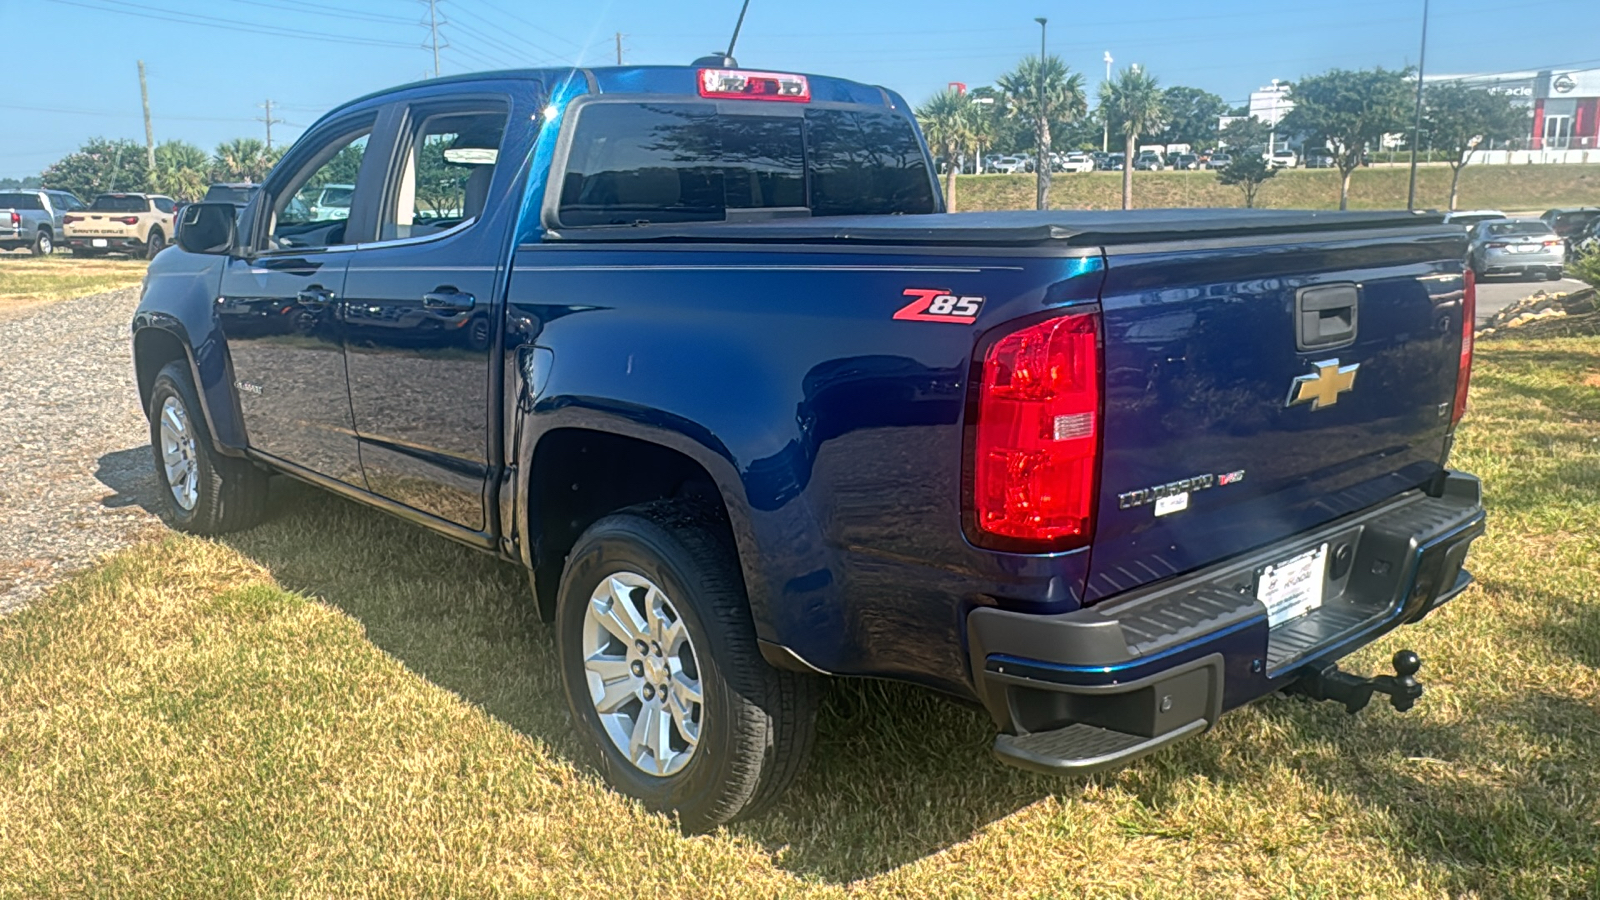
[68, 220]
[736, 84]
[16, 218]
[1036, 437]
[129, 220]
[1469, 313]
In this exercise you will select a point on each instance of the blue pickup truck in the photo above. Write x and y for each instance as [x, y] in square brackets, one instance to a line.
[701, 351]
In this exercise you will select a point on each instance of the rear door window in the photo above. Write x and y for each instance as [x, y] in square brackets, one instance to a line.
[691, 162]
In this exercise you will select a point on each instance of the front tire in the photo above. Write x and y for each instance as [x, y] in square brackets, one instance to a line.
[154, 244]
[203, 491]
[43, 244]
[662, 672]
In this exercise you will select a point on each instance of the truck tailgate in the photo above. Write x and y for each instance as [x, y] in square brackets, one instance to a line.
[1258, 388]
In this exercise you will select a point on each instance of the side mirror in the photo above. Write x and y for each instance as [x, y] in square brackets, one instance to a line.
[209, 228]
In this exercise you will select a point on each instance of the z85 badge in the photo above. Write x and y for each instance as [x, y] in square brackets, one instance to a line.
[939, 306]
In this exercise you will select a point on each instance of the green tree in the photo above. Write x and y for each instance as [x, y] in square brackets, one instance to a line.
[1192, 116]
[1042, 92]
[182, 170]
[30, 181]
[1133, 103]
[947, 124]
[1350, 111]
[1459, 118]
[242, 159]
[100, 165]
[1247, 171]
[1244, 134]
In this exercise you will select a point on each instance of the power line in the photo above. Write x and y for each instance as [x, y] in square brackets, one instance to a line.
[316, 10]
[536, 27]
[502, 35]
[225, 24]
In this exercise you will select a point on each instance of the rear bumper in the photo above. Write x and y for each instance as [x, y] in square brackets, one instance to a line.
[1522, 263]
[87, 242]
[1094, 689]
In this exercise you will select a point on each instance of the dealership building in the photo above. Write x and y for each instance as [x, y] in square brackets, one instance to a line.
[1565, 124]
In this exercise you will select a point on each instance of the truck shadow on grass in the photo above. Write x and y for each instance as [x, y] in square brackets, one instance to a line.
[900, 774]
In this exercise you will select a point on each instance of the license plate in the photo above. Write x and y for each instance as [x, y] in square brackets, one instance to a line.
[1293, 587]
[1524, 248]
[98, 242]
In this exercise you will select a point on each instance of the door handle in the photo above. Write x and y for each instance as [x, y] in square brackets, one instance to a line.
[448, 299]
[314, 297]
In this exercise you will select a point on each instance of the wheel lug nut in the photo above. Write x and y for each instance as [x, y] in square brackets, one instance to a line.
[663, 693]
[649, 692]
[655, 648]
[638, 668]
[641, 647]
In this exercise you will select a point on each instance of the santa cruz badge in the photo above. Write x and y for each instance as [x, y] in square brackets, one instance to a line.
[939, 306]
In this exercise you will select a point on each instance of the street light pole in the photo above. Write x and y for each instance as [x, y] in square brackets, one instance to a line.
[1105, 137]
[1416, 128]
[1041, 164]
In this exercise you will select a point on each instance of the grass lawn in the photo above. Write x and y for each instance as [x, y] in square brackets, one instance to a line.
[1507, 188]
[26, 280]
[336, 704]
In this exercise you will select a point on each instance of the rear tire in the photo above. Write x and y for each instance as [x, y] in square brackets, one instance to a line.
[753, 725]
[43, 244]
[215, 494]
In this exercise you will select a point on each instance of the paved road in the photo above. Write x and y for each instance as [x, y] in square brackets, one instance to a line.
[1495, 294]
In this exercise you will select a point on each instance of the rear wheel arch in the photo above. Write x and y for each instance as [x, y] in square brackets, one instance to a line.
[577, 476]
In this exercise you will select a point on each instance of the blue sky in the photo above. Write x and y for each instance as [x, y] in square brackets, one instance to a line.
[308, 55]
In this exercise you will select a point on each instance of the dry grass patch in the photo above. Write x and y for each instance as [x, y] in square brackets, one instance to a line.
[27, 280]
[336, 704]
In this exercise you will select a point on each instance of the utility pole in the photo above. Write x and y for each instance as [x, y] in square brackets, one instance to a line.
[269, 120]
[1416, 129]
[433, 33]
[619, 48]
[1105, 135]
[149, 132]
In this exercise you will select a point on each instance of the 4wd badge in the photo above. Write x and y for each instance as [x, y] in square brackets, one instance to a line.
[939, 306]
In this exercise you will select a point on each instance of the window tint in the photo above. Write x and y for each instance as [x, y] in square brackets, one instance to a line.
[686, 162]
[66, 202]
[446, 175]
[20, 201]
[1501, 228]
[163, 204]
[866, 163]
[314, 208]
[120, 203]
[226, 193]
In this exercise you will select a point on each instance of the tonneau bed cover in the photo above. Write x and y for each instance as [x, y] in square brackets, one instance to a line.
[1070, 228]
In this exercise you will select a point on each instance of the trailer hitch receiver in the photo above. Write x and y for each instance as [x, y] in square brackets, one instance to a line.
[1356, 692]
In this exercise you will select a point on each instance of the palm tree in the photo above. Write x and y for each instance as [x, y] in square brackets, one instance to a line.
[947, 123]
[1132, 101]
[181, 170]
[1042, 93]
[242, 159]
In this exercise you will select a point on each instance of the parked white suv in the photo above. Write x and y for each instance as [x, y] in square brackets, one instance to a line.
[1283, 159]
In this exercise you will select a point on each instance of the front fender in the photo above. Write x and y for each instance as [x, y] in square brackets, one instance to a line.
[179, 306]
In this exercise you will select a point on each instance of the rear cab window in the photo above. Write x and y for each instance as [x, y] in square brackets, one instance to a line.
[20, 201]
[664, 162]
[120, 203]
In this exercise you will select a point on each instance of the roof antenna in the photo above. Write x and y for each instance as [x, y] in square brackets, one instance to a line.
[726, 60]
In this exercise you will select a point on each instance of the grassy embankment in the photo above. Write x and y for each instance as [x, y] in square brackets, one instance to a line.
[1507, 188]
[27, 280]
[337, 704]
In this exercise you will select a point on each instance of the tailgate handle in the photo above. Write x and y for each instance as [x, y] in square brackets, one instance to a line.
[1326, 316]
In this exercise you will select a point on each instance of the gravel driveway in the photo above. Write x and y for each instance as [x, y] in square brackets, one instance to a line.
[75, 473]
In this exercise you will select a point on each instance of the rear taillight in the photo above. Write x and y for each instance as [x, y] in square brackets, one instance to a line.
[734, 84]
[1552, 243]
[1036, 437]
[128, 220]
[1469, 312]
[1496, 245]
[68, 220]
[16, 218]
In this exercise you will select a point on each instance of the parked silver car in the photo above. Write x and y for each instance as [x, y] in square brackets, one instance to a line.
[1526, 247]
[32, 218]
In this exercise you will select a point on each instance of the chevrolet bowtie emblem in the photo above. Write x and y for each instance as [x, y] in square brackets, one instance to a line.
[1324, 387]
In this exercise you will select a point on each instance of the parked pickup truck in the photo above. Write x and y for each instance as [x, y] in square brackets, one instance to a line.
[33, 218]
[137, 224]
[699, 349]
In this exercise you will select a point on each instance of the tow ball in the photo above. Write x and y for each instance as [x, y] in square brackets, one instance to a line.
[1355, 692]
